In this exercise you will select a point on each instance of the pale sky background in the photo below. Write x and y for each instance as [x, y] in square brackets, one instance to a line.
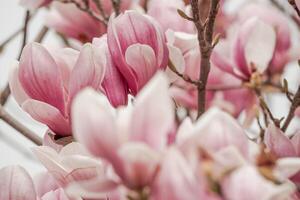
[15, 149]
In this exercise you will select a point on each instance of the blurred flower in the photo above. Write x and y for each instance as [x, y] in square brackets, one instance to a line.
[130, 138]
[138, 48]
[34, 4]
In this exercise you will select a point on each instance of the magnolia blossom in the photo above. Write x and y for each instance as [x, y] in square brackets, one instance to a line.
[244, 53]
[130, 138]
[283, 146]
[44, 84]
[70, 21]
[138, 48]
[166, 14]
[16, 184]
[185, 57]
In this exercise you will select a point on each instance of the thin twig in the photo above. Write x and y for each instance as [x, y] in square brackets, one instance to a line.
[294, 106]
[41, 35]
[6, 117]
[205, 38]
[6, 92]
[99, 5]
[116, 5]
[10, 38]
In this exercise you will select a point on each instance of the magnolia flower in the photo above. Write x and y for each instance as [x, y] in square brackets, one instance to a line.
[214, 131]
[34, 4]
[138, 48]
[186, 59]
[245, 52]
[178, 180]
[247, 183]
[166, 14]
[131, 138]
[280, 23]
[68, 20]
[282, 146]
[44, 84]
[16, 184]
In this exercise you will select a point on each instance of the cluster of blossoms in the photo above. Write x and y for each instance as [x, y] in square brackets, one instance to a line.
[127, 93]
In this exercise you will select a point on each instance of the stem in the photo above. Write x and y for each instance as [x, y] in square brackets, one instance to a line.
[101, 10]
[6, 92]
[116, 5]
[6, 117]
[40, 37]
[295, 104]
[205, 39]
[10, 38]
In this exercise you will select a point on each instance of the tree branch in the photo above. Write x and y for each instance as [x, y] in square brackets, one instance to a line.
[205, 38]
[6, 117]
[294, 106]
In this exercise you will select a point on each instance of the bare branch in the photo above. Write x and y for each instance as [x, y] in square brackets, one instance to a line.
[6, 117]
[294, 106]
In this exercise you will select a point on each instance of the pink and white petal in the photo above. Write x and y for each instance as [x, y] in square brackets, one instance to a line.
[278, 143]
[296, 142]
[74, 148]
[176, 58]
[93, 121]
[40, 76]
[114, 84]
[258, 51]
[141, 58]
[153, 114]
[288, 167]
[44, 182]
[52, 162]
[11, 178]
[49, 115]
[254, 186]
[15, 86]
[58, 194]
[89, 70]
[183, 184]
[140, 164]
[182, 40]
[216, 130]
[98, 188]
[66, 59]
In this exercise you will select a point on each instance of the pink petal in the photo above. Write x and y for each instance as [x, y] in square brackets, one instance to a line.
[114, 85]
[247, 183]
[141, 59]
[94, 125]
[258, 51]
[146, 124]
[16, 184]
[296, 142]
[44, 183]
[48, 115]
[58, 194]
[40, 76]
[176, 180]
[140, 164]
[216, 130]
[89, 70]
[278, 143]
[15, 86]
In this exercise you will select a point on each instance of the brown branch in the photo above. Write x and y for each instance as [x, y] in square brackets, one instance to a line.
[116, 5]
[6, 117]
[294, 106]
[205, 38]
[41, 35]
[10, 38]
[293, 3]
[99, 5]
[6, 92]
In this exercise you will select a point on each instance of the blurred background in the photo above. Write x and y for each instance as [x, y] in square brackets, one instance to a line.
[14, 148]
